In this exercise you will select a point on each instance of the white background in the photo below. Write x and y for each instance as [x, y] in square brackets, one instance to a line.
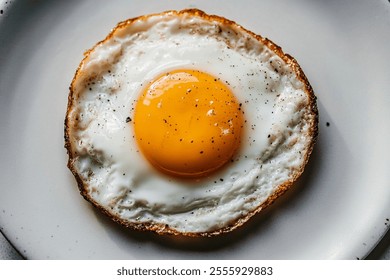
[337, 210]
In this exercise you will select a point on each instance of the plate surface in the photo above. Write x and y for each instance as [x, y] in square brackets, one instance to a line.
[340, 207]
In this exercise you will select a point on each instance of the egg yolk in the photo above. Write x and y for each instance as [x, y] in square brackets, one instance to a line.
[188, 123]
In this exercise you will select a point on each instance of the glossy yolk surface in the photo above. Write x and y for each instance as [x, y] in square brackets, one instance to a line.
[188, 123]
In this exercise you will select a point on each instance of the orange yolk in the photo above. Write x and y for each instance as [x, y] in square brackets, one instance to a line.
[188, 123]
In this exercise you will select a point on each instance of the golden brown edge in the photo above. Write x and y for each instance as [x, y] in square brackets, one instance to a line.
[165, 229]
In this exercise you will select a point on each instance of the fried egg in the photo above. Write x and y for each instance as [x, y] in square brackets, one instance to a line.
[187, 123]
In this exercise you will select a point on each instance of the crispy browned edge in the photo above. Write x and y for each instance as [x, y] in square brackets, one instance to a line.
[165, 229]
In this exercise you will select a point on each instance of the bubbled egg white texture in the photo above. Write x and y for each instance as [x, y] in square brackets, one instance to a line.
[108, 160]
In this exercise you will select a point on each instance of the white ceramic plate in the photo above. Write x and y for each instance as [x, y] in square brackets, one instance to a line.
[339, 209]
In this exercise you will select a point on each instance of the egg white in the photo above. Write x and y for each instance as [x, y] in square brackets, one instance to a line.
[114, 171]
